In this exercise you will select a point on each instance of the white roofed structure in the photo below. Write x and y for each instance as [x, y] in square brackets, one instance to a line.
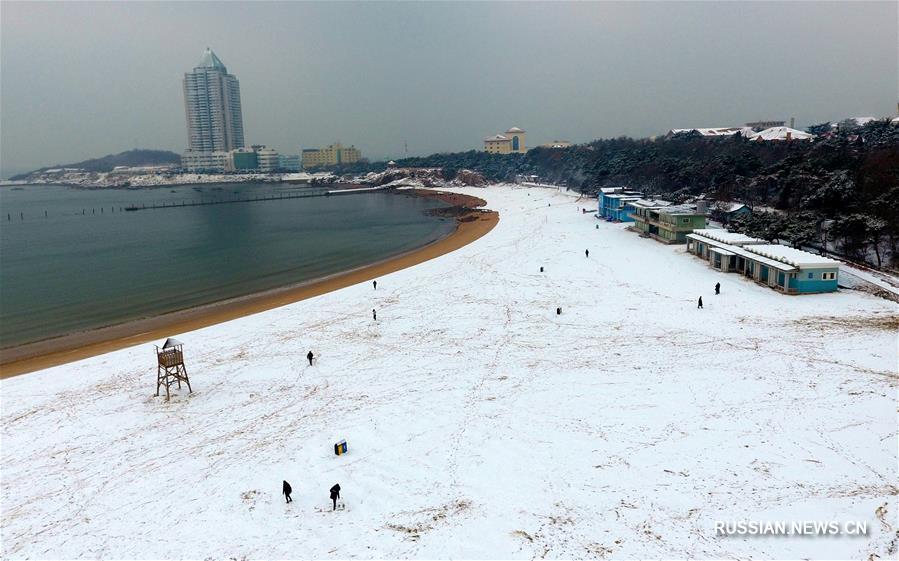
[729, 207]
[650, 203]
[732, 238]
[783, 268]
[793, 257]
[782, 133]
[717, 131]
[171, 342]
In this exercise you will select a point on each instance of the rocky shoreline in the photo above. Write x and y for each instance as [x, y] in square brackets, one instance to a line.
[138, 178]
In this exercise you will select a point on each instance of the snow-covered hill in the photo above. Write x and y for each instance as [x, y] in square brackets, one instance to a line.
[480, 424]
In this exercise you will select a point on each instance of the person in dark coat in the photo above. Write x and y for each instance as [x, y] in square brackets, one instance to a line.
[374, 315]
[287, 490]
[335, 494]
[374, 284]
[700, 303]
[310, 356]
[541, 269]
[558, 311]
[587, 252]
[717, 288]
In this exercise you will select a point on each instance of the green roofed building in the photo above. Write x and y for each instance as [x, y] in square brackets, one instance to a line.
[664, 221]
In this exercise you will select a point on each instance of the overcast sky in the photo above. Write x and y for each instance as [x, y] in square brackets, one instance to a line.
[81, 80]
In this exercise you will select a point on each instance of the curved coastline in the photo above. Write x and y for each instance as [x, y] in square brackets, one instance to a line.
[471, 224]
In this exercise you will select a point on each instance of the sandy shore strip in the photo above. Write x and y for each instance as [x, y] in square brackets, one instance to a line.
[471, 224]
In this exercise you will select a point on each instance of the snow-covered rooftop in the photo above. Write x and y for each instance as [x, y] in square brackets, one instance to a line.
[171, 342]
[650, 203]
[792, 256]
[782, 133]
[857, 120]
[721, 251]
[724, 236]
[741, 251]
[685, 208]
[729, 207]
[717, 131]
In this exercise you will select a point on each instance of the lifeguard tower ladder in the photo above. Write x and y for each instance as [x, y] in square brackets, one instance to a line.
[170, 367]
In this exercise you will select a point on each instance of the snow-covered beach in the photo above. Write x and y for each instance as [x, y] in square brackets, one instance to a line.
[480, 423]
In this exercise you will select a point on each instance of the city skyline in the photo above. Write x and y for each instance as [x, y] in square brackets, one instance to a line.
[438, 77]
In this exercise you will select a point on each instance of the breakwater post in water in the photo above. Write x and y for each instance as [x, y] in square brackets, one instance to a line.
[234, 199]
[248, 199]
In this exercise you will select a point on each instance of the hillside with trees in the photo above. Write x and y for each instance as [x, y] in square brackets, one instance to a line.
[131, 158]
[839, 191]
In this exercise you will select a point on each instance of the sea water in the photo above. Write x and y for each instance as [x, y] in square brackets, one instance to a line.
[73, 259]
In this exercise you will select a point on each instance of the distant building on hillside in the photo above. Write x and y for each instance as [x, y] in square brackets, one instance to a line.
[781, 133]
[782, 268]
[761, 125]
[613, 203]
[212, 107]
[724, 212]
[497, 144]
[333, 155]
[852, 123]
[664, 221]
[556, 144]
[512, 142]
[719, 131]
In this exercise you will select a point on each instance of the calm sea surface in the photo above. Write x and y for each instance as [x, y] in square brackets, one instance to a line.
[79, 268]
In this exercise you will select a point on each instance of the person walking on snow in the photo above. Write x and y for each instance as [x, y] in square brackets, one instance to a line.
[587, 252]
[374, 284]
[700, 303]
[335, 494]
[310, 356]
[717, 288]
[286, 489]
[374, 315]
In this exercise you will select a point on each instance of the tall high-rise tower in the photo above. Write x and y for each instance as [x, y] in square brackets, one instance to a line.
[212, 106]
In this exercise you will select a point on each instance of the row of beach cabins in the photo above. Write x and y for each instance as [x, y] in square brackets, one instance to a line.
[786, 269]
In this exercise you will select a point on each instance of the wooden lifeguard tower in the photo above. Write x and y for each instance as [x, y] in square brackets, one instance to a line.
[170, 367]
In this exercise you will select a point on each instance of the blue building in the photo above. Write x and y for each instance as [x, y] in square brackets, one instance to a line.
[789, 270]
[288, 162]
[612, 201]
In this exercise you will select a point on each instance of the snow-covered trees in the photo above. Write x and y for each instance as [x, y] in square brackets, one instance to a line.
[846, 171]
